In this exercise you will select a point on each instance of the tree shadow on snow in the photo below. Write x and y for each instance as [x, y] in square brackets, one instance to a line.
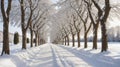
[99, 59]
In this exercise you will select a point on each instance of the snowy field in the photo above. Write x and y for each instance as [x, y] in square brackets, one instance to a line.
[50, 55]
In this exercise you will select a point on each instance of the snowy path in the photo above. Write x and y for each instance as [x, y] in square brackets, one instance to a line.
[67, 59]
[48, 56]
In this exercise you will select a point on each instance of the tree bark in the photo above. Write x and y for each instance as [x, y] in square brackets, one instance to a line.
[23, 39]
[95, 37]
[104, 38]
[31, 38]
[65, 40]
[85, 39]
[78, 38]
[39, 40]
[68, 40]
[73, 39]
[6, 38]
[36, 39]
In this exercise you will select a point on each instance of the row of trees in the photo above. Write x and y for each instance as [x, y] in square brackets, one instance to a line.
[81, 17]
[113, 34]
[30, 15]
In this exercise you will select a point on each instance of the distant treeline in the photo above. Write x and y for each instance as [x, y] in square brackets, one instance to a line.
[113, 35]
[90, 39]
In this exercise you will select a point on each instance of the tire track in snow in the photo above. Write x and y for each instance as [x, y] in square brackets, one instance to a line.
[70, 58]
[59, 59]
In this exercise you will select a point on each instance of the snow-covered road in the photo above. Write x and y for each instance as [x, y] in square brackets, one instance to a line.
[66, 59]
[51, 55]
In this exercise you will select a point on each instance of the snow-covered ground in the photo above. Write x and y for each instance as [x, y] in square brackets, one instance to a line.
[51, 55]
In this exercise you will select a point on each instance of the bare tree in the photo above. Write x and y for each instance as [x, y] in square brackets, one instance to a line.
[95, 23]
[83, 16]
[25, 24]
[78, 27]
[103, 14]
[5, 15]
[73, 32]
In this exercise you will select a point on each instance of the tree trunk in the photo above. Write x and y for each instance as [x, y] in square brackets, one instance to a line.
[5, 10]
[31, 38]
[104, 37]
[78, 38]
[103, 15]
[5, 38]
[65, 40]
[39, 40]
[68, 40]
[85, 39]
[103, 26]
[23, 39]
[36, 39]
[23, 24]
[73, 40]
[95, 37]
